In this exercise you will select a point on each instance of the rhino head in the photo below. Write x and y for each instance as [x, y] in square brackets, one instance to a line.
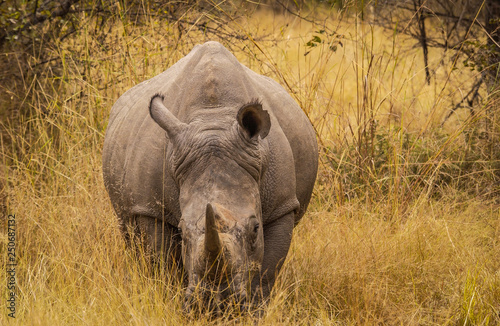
[216, 161]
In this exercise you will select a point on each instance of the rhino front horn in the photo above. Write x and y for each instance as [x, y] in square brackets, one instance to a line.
[212, 241]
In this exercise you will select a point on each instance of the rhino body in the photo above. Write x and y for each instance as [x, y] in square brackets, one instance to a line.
[220, 153]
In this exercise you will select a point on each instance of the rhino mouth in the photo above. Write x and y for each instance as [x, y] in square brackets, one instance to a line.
[209, 297]
[219, 272]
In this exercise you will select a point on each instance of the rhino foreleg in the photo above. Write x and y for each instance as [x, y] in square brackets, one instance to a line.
[277, 238]
[157, 238]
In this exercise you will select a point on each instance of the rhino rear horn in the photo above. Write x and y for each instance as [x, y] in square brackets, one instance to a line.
[254, 120]
[164, 118]
[212, 241]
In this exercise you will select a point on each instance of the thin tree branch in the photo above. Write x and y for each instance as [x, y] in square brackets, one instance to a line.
[474, 91]
[423, 38]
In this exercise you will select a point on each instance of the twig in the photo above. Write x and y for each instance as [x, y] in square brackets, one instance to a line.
[474, 90]
[294, 13]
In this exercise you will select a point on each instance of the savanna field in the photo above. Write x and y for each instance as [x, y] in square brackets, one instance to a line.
[404, 224]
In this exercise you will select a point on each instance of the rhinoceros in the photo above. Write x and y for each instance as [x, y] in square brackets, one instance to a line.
[214, 165]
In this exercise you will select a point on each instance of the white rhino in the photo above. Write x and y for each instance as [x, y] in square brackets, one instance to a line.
[214, 165]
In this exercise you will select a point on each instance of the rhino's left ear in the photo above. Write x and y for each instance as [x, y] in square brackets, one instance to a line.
[164, 118]
[254, 120]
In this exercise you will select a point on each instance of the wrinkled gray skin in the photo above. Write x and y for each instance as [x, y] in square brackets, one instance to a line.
[222, 154]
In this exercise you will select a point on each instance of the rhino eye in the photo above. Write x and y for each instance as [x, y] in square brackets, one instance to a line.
[256, 228]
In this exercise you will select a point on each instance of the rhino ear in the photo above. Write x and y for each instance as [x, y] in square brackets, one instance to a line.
[164, 118]
[254, 120]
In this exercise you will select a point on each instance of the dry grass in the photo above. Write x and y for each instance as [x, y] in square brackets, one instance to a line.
[378, 245]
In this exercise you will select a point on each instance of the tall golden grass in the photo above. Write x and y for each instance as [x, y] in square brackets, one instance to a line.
[395, 233]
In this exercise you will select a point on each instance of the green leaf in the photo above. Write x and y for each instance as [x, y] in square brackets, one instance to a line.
[316, 39]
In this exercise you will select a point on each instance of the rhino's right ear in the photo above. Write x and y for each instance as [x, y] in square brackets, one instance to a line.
[254, 120]
[164, 118]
